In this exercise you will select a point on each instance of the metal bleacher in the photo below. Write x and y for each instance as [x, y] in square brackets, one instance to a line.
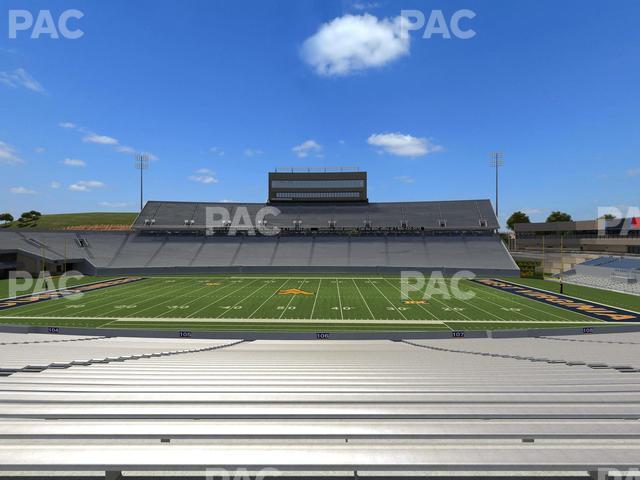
[608, 272]
[130, 253]
[351, 408]
[457, 214]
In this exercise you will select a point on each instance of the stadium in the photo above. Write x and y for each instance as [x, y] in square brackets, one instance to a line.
[443, 283]
[213, 338]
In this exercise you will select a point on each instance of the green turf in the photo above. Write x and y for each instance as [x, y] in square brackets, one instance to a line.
[63, 220]
[39, 286]
[616, 299]
[256, 303]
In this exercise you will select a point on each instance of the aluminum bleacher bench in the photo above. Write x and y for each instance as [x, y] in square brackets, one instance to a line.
[485, 405]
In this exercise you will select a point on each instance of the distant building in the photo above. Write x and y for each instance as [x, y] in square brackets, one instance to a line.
[610, 236]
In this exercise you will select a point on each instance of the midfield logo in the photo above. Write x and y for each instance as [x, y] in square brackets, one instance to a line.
[294, 291]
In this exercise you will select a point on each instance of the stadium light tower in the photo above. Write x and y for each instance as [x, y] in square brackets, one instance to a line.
[142, 164]
[497, 161]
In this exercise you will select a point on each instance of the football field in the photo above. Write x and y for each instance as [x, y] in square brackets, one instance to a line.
[316, 303]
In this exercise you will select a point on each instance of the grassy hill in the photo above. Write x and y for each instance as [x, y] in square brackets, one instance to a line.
[99, 220]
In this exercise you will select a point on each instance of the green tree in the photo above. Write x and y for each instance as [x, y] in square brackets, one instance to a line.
[6, 217]
[517, 217]
[29, 216]
[607, 216]
[559, 216]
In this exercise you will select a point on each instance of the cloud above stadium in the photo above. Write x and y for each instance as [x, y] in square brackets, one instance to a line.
[8, 155]
[85, 185]
[22, 191]
[205, 176]
[252, 152]
[404, 179]
[114, 204]
[354, 43]
[21, 78]
[304, 149]
[74, 162]
[403, 145]
[105, 140]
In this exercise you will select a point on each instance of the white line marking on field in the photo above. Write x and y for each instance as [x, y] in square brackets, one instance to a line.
[365, 302]
[290, 300]
[268, 298]
[221, 298]
[421, 306]
[313, 309]
[243, 299]
[390, 303]
[339, 299]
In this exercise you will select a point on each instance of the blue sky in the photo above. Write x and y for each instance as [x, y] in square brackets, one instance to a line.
[220, 92]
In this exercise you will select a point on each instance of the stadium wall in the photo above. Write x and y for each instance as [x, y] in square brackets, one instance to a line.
[119, 254]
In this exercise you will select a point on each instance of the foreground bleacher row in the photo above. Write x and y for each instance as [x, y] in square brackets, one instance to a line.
[557, 404]
[121, 253]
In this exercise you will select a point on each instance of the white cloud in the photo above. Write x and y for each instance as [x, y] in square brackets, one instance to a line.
[366, 5]
[74, 162]
[205, 176]
[251, 152]
[21, 78]
[100, 139]
[355, 42]
[531, 211]
[39, 149]
[85, 185]
[206, 179]
[55, 184]
[403, 145]
[633, 172]
[304, 149]
[405, 179]
[8, 155]
[21, 191]
[91, 137]
[125, 149]
[217, 150]
[114, 204]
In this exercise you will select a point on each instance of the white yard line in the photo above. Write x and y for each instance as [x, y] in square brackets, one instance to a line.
[365, 302]
[313, 309]
[385, 297]
[221, 298]
[243, 300]
[339, 299]
[172, 297]
[269, 298]
[421, 306]
[290, 300]
[509, 297]
[96, 298]
[329, 320]
[576, 298]
[143, 320]
[202, 296]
